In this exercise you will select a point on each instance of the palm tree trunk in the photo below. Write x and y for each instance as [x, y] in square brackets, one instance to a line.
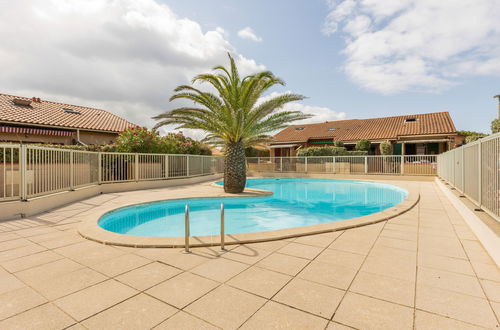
[235, 171]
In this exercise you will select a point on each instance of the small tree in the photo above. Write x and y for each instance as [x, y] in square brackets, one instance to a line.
[339, 144]
[363, 145]
[386, 148]
[495, 126]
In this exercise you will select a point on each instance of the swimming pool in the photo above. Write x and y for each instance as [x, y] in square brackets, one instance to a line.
[294, 203]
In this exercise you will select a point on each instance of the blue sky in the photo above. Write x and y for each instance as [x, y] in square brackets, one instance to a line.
[351, 58]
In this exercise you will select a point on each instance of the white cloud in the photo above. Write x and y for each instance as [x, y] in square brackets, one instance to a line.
[416, 45]
[320, 114]
[247, 33]
[125, 56]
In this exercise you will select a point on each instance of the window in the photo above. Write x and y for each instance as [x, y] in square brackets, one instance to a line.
[299, 128]
[68, 110]
[410, 120]
[331, 129]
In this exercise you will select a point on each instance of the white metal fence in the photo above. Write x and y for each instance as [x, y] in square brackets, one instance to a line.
[29, 171]
[474, 170]
[389, 165]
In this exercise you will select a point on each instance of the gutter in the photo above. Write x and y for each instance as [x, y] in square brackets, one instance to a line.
[78, 138]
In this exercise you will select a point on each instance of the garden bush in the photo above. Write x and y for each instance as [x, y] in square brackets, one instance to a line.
[385, 148]
[327, 151]
[363, 145]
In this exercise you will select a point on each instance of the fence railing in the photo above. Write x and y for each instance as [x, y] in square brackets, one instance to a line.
[389, 165]
[474, 170]
[29, 171]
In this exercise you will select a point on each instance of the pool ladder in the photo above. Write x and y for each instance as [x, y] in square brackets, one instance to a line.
[187, 234]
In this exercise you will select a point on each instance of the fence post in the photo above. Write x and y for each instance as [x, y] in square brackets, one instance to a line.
[463, 171]
[480, 174]
[366, 164]
[334, 165]
[99, 167]
[23, 171]
[187, 164]
[136, 168]
[402, 165]
[71, 170]
[165, 166]
[281, 164]
[305, 164]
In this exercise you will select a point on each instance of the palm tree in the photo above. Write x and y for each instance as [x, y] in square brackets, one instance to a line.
[235, 116]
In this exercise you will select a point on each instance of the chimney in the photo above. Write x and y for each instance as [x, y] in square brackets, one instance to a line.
[498, 97]
[36, 99]
[18, 101]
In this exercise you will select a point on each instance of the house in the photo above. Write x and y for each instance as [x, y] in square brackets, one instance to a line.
[421, 134]
[32, 120]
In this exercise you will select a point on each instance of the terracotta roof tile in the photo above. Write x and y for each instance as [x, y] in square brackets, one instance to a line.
[53, 114]
[372, 129]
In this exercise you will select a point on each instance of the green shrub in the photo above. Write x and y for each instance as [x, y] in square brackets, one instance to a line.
[385, 148]
[339, 144]
[363, 145]
[495, 126]
[327, 151]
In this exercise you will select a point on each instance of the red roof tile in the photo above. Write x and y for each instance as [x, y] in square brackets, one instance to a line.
[53, 114]
[372, 129]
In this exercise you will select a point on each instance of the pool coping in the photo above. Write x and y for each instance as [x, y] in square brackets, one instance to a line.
[90, 229]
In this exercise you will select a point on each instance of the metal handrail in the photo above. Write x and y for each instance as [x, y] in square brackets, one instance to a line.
[222, 234]
[186, 229]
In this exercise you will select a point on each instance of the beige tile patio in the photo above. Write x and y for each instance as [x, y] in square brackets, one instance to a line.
[18, 301]
[449, 281]
[322, 240]
[487, 271]
[301, 250]
[14, 244]
[259, 281]
[283, 263]
[89, 253]
[144, 277]
[29, 261]
[184, 261]
[226, 307]
[397, 268]
[57, 287]
[337, 326]
[391, 233]
[219, 269]
[246, 255]
[44, 317]
[9, 282]
[492, 290]
[277, 316]
[185, 321]
[20, 252]
[429, 321]
[385, 288]
[49, 270]
[396, 243]
[87, 302]
[342, 258]
[368, 313]
[182, 289]
[120, 264]
[311, 297]
[445, 263]
[138, 312]
[329, 274]
[455, 305]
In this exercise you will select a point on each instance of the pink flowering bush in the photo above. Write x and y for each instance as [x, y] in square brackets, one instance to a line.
[141, 140]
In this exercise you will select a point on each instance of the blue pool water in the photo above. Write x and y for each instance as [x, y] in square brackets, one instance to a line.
[294, 203]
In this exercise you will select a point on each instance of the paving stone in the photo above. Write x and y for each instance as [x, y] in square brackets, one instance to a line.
[369, 313]
[182, 289]
[385, 288]
[138, 312]
[144, 277]
[277, 316]
[429, 321]
[226, 307]
[120, 264]
[301, 250]
[329, 274]
[449, 281]
[259, 281]
[219, 269]
[283, 263]
[18, 301]
[44, 317]
[185, 321]
[311, 297]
